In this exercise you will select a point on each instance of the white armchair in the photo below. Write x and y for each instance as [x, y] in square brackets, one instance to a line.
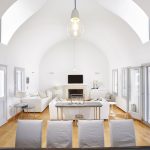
[29, 134]
[125, 135]
[91, 133]
[59, 134]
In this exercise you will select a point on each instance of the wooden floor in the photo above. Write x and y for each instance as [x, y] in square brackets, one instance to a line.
[8, 131]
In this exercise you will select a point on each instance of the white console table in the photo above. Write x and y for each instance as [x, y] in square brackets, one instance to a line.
[62, 105]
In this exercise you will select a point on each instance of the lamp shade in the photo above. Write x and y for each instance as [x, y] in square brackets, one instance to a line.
[75, 27]
[75, 16]
[20, 94]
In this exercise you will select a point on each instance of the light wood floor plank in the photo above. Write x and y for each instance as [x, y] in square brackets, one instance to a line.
[8, 131]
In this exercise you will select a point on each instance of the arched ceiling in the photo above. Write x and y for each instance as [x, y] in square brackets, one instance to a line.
[132, 14]
[49, 26]
[4, 5]
[144, 4]
[16, 15]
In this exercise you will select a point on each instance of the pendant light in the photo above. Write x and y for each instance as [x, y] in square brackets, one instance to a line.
[75, 28]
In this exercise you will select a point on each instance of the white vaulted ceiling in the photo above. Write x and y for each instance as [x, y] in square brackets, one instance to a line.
[4, 5]
[104, 27]
[132, 14]
[16, 15]
[144, 4]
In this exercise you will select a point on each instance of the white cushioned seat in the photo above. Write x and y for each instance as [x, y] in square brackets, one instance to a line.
[122, 133]
[59, 134]
[29, 134]
[91, 133]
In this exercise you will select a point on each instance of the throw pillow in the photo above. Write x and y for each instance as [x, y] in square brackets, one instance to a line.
[42, 94]
[49, 93]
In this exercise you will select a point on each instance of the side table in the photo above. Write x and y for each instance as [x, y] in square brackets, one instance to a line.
[30, 107]
[21, 106]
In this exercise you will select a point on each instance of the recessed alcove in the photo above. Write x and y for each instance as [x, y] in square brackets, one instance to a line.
[62, 58]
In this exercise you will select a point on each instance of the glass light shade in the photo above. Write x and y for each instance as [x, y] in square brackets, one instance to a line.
[75, 27]
[75, 19]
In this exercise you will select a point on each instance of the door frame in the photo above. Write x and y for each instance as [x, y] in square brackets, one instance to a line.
[113, 82]
[145, 93]
[5, 93]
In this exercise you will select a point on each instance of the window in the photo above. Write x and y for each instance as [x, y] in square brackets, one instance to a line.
[115, 81]
[19, 79]
[125, 82]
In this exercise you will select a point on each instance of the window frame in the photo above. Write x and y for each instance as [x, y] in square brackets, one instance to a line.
[124, 71]
[22, 79]
[145, 94]
[114, 73]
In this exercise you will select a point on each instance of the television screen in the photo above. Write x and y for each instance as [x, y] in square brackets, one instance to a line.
[75, 78]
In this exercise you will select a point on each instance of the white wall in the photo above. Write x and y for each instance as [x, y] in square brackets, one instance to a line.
[10, 57]
[59, 61]
[138, 57]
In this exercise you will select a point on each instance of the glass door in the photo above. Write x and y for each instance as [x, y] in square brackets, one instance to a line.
[3, 104]
[135, 106]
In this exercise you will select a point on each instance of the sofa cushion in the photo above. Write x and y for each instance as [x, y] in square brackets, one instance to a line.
[49, 93]
[42, 94]
[108, 96]
[33, 94]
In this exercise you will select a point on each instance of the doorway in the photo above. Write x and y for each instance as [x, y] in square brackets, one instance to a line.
[135, 104]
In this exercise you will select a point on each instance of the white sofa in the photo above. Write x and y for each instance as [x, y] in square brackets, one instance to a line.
[40, 100]
[39, 103]
[88, 113]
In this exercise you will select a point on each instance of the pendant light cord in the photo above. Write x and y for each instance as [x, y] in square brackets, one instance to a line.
[74, 53]
[75, 4]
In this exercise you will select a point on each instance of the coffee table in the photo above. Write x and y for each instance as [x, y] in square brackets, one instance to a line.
[95, 104]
